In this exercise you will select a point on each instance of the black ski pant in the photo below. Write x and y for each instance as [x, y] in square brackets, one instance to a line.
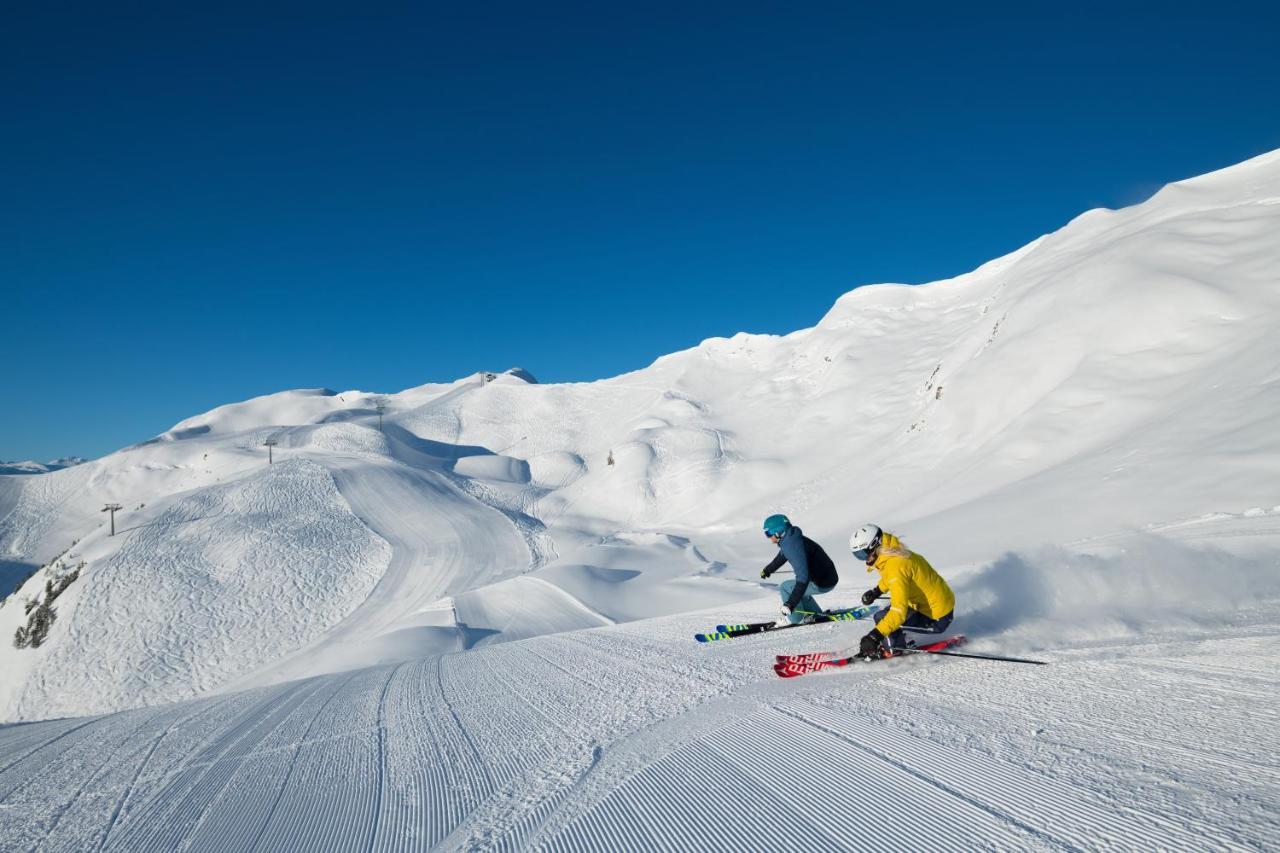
[917, 623]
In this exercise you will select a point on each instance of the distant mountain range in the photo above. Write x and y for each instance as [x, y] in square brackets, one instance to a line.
[30, 467]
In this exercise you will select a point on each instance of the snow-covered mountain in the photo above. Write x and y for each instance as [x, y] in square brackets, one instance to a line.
[32, 467]
[1079, 434]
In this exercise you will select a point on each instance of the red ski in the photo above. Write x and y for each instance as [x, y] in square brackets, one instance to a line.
[790, 666]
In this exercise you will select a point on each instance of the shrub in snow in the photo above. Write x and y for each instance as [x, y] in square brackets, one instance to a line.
[42, 619]
[40, 612]
[37, 628]
[54, 587]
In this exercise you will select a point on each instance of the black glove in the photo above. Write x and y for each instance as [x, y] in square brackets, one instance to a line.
[871, 595]
[870, 645]
[764, 573]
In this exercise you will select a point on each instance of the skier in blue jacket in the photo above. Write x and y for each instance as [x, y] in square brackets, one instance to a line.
[814, 571]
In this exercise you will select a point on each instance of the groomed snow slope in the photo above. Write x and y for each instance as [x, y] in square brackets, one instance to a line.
[633, 737]
[1080, 434]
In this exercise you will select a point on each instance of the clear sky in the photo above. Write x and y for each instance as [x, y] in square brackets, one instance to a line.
[201, 206]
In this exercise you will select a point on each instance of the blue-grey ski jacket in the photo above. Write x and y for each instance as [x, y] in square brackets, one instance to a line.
[810, 562]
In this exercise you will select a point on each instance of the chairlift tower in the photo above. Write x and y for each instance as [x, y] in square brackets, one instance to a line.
[380, 408]
[113, 509]
[270, 443]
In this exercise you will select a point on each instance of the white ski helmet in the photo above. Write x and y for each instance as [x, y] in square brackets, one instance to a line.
[864, 540]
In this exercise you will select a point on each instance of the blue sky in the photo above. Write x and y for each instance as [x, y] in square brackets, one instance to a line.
[201, 206]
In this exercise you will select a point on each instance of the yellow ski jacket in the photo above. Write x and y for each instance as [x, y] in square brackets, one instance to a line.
[911, 583]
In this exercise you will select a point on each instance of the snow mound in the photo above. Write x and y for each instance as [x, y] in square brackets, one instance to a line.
[337, 438]
[502, 469]
[222, 581]
[556, 469]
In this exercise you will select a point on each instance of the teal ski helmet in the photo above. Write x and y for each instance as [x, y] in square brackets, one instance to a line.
[776, 525]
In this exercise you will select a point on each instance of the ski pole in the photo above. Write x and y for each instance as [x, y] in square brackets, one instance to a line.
[977, 657]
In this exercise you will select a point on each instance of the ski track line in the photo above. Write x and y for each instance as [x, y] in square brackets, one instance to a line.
[537, 820]
[634, 816]
[342, 732]
[243, 811]
[696, 792]
[192, 765]
[462, 729]
[382, 758]
[520, 739]
[1126, 769]
[524, 722]
[1200, 673]
[560, 760]
[639, 671]
[1234, 654]
[499, 747]
[33, 735]
[772, 820]
[576, 676]
[1137, 745]
[50, 824]
[27, 807]
[656, 661]
[605, 659]
[1126, 745]
[614, 712]
[124, 797]
[1140, 744]
[435, 774]
[867, 788]
[1039, 806]
[629, 692]
[604, 828]
[278, 835]
[202, 740]
[1096, 775]
[20, 735]
[169, 817]
[649, 740]
[513, 742]
[146, 759]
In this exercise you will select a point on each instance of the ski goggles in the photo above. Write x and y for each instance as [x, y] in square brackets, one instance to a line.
[864, 554]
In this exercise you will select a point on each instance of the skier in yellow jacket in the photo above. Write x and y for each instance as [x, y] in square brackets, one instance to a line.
[919, 599]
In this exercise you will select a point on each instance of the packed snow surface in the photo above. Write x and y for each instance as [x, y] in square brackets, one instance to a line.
[460, 616]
